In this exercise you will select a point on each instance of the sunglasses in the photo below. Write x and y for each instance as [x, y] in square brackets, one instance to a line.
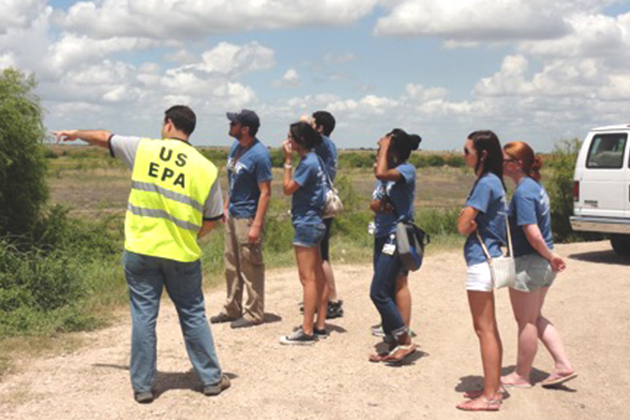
[466, 151]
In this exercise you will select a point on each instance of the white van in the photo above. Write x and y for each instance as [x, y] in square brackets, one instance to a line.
[601, 187]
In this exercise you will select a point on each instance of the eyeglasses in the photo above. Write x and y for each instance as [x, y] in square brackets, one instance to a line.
[466, 151]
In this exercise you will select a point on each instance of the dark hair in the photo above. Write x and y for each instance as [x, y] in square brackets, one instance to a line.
[182, 117]
[253, 129]
[523, 152]
[325, 120]
[487, 141]
[403, 144]
[305, 135]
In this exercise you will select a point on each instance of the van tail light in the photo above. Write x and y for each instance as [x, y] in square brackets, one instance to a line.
[576, 191]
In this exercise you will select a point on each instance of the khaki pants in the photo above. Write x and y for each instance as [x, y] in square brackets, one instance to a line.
[244, 268]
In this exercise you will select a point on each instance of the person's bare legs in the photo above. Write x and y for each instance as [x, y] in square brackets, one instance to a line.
[307, 262]
[330, 281]
[526, 307]
[323, 289]
[550, 337]
[403, 299]
[484, 321]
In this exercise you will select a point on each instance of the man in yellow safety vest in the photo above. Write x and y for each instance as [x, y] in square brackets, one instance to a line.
[175, 199]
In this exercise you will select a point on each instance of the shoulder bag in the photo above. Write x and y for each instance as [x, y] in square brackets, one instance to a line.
[502, 269]
[332, 205]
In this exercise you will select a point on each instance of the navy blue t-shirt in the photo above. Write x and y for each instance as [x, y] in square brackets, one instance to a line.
[328, 152]
[488, 197]
[244, 174]
[401, 194]
[529, 206]
[307, 203]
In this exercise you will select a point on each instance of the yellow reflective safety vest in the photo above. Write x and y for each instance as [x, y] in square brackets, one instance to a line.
[170, 183]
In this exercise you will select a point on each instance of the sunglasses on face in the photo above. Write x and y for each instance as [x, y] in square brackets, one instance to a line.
[466, 151]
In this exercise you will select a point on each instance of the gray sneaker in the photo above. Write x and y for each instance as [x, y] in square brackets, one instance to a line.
[212, 390]
[143, 397]
[298, 338]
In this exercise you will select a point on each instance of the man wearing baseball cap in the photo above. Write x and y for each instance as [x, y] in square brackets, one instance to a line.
[249, 190]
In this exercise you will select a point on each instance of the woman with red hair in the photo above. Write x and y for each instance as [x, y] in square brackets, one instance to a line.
[536, 268]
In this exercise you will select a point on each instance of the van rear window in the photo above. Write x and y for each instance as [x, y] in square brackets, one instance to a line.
[607, 151]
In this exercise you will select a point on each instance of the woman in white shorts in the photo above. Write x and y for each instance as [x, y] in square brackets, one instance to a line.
[536, 268]
[484, 214]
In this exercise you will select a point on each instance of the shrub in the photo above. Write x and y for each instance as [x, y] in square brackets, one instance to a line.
[356, 160]
[218, 156]
[23, 188]
[277, 158]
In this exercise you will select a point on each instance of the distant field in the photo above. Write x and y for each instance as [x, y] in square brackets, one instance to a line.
[90, 182]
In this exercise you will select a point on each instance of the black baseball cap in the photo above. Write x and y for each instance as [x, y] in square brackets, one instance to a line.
[246, 117]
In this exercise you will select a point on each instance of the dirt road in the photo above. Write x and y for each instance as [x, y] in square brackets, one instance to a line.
[333, 379]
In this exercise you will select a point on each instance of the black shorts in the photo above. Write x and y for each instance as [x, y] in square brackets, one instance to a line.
[324, 244]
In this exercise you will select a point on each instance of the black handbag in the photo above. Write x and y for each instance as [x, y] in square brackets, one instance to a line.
[411, 241]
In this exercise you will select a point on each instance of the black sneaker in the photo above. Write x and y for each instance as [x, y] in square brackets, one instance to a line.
[298, 338]
[143, 397]
[320, 334]
[334, 309]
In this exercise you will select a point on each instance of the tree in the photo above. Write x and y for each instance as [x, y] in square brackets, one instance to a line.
[23, 188]
[560, 188]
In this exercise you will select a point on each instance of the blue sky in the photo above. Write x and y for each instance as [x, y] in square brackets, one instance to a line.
[529, 70]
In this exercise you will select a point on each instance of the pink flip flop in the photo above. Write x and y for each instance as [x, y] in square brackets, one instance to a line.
[556, 379]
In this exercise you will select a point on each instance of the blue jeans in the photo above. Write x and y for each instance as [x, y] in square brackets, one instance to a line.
[146, 277]
[383, 289]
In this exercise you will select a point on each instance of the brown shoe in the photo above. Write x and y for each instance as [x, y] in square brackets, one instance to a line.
[212, 390]
[221, 318]
[244, 323]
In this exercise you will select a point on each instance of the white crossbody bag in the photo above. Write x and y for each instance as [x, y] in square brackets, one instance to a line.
[503, 268]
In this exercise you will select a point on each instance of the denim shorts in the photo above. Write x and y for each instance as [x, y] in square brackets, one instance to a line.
[308, 236]
[533, 272]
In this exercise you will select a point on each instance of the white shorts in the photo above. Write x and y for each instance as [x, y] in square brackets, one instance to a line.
[479, 278]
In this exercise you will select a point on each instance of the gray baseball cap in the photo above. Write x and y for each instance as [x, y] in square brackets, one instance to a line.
[246, 117]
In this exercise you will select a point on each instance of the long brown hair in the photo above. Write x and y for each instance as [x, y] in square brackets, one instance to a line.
[523, 152]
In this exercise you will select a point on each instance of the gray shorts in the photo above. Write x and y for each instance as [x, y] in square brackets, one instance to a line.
[533, 272]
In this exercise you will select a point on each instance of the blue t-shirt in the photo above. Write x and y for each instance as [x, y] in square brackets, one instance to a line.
[328, 152]
[401, 194]
[488, 197]
[529, 206]
[307, 203]
[244, 174]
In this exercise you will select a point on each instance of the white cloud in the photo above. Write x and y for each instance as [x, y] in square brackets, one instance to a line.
[19, 13]
[592, 35]
[229, 59]
[484, 20]
[74, 50]
[289, 78]
[189, 18]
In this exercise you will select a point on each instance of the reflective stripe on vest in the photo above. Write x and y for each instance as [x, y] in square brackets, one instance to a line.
[170, 182]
